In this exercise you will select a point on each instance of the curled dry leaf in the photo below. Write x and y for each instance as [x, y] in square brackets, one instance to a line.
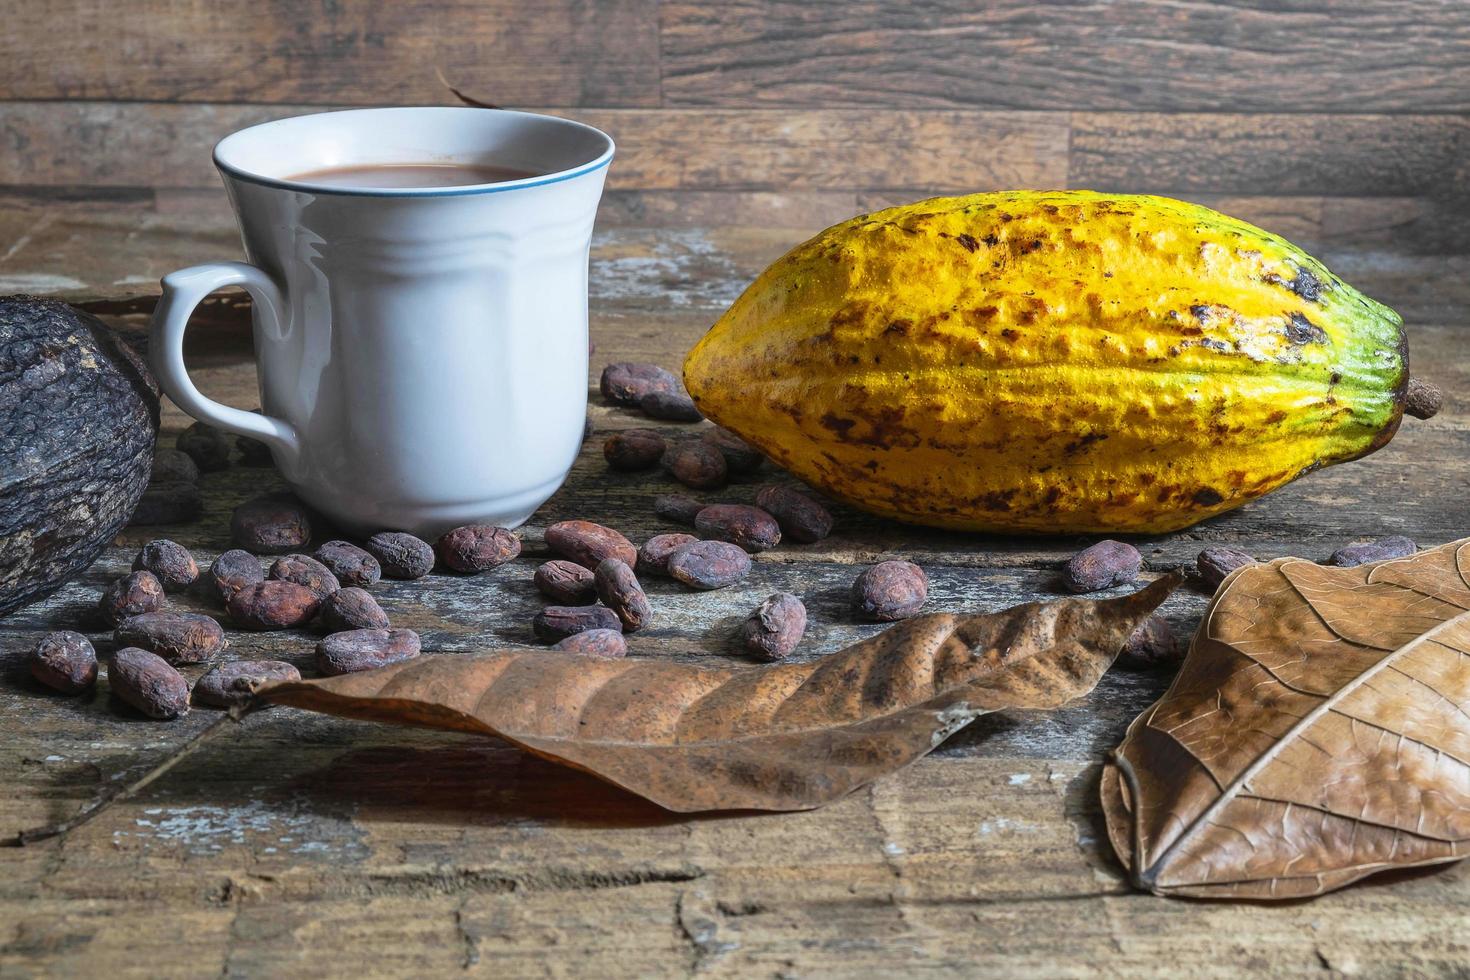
[1318, 732]
[784, 737]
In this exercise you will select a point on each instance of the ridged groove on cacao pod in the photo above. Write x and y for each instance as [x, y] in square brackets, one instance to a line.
[1063, 361]
[78, 422]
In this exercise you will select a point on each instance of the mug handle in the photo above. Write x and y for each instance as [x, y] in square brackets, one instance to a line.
[184, 290]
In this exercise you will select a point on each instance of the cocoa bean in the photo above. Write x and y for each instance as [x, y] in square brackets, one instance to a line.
[749, 527]
[253, 452]
[1151, 645]
[401, 555]
[64, 661]
[271, 524]
[565, 583]
[890, 591]
[477, 548]
[172, 466]
[608, 644]
[801, 518]
[207, 446]
[627, 382]
[653, 557]
[355, 650]
[620, 591]
[1102, 566]
[775, 627]
[351, 564]
[698, 465]
[168, 503]
[146, 682]
[633, 449]
[233, 683]
[170, 561]
[678, 507]
[1396, 546]
[709, 564]
[740, 456]
[305, 570]
[558, 622]
[587, 544]
[352, 608]
[178, 637]
[273, 605]
[234, 570]
[1218, 561]
[131, 595]
[670, 406]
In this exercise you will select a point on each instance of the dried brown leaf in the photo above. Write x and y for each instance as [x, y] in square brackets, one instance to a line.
[784, 737]
[1318, 732]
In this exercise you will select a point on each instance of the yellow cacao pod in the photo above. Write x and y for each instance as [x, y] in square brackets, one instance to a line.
[1063, 361]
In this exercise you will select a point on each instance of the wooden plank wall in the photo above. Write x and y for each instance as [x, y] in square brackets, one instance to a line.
[1336, 122]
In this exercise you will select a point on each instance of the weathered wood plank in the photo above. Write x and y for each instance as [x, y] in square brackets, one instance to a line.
[354, 52]
[1314, 57]
[1235, 154]
[166, 145]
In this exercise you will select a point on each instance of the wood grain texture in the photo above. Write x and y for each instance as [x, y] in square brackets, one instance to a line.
[1313, 57]
[344, 52]
[308, 844]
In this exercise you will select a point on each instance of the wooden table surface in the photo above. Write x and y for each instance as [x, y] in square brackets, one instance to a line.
[305, 845]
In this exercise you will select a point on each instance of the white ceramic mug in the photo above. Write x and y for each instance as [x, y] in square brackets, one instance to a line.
[422, 353]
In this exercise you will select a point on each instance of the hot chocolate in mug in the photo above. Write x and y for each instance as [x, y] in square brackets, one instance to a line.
[422, 351]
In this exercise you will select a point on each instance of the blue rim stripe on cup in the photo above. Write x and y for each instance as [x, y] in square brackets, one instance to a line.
[303, 187]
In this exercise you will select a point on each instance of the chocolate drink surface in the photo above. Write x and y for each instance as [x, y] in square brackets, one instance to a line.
[412, 175]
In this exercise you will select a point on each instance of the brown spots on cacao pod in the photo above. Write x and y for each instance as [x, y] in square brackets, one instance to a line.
[626, 382]
[634, 449]
[588, 544]
[146, 682]
[273, 605]
[709, 565]
[1083, 442]
[232, 571]
[678, 507]
[967, 242]
[1304, 284]
[271, 524]
[620, 591]
[775, 627]
[179, 638]
[352, 565]
[565, 583]
[653, 557]
[400, 554]
[477, 548]
[232, 684]
[1218, 561]
[890, 591]
[132, 595]
[170, 561]
[351, 608]
[305, 570]
[801, 518]
[836, 423]
[558, 622]
[1300, 330]
[64, 661]
[1207, 497]
[740, 524]
[357, 650]
[1102, 566]
[698, 465]
[1151, 646]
